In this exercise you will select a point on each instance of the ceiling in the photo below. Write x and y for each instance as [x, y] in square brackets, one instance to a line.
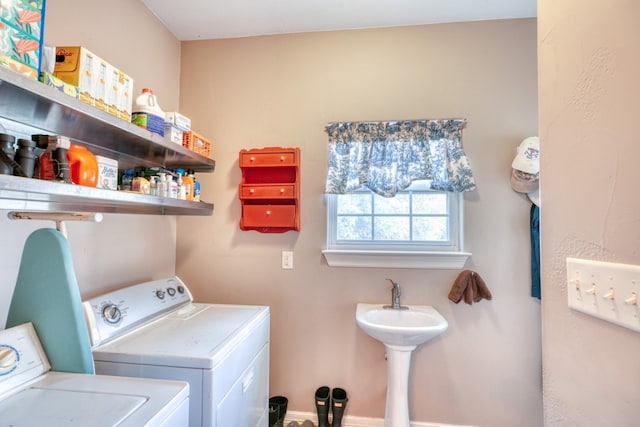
[215, 19]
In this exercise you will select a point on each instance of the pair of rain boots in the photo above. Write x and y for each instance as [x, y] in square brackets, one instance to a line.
[335, 399]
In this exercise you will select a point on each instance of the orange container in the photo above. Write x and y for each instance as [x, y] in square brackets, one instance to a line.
[83, 166]
[196, 142]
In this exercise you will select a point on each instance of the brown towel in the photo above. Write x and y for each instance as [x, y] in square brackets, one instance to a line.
[470, 286]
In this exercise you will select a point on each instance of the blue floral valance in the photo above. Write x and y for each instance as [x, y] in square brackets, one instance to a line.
[387, 157]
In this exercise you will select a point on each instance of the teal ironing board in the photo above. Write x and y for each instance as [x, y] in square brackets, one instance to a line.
[47, 295]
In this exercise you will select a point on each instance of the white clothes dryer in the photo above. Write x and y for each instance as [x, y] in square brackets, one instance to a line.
[155, 330]
[33, 396]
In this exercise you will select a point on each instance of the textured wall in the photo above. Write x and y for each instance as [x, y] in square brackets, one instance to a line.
[281, 91]
[589, 68]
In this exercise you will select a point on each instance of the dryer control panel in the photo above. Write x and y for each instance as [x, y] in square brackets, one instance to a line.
[113, 314]
[21, 357]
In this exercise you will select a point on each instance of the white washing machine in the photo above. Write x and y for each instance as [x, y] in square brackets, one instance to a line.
[154, 330]
[33, 396]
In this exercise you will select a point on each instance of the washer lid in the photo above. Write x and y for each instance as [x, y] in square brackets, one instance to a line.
[45, 407]
[32, 396]
[194, 336]
[58, 399]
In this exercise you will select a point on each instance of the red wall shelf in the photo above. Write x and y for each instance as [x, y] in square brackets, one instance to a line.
[270, 189]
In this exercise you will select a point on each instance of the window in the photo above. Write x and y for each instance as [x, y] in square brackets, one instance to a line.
[418, 228]
[415, 219]
[394, 194]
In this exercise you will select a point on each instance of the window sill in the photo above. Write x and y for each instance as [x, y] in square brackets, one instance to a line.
[396, 259]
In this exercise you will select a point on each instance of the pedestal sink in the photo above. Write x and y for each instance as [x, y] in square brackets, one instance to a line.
[401, 331]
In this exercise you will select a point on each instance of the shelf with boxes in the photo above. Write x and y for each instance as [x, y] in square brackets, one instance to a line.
[270, 189]
[30, 107]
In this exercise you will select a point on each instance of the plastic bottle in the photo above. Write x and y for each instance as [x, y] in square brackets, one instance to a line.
[182, 193]
[153, 184]
[7, 145]
[44, 164]
[59, 146]
[188, 183]
[141, 185]
[127, 179]
[83, 166]
[196, 189]
[162, 185]
[182, 186]
[26, 156]
[173, 185]
[147, 114]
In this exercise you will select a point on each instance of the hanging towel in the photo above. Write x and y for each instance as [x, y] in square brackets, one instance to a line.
[470, 287]
[535, 251]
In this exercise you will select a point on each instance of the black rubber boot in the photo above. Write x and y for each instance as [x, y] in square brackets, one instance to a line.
[277, 406]
[273, 415]
[338, 405]
[322, 406]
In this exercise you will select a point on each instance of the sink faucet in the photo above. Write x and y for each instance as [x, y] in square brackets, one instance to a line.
[395, 296]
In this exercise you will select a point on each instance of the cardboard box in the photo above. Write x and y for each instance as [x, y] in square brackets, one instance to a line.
[75, 65]
[53, 81]
[172, 133]
[25, 16]
[178, 120]
[101, 84]
[111, 102]
[125, 96]
[107, 173]
[21, 36]
[17, 66]
[100, 89]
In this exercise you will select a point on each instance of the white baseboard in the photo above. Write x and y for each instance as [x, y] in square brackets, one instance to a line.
[350, 421]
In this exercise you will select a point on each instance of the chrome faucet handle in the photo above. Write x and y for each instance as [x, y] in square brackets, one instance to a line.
[396, 286]
[395, 296]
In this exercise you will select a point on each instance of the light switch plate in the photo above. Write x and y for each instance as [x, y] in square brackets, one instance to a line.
[287, 260]
[605, 290]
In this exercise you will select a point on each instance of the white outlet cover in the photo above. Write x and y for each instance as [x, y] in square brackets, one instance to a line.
[605, 290]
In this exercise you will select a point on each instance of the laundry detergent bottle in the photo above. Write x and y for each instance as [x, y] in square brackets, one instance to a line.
[147, 113]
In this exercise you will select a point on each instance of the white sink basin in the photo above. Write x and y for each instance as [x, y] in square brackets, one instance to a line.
[411, 326]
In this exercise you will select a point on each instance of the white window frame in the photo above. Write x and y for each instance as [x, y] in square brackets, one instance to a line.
[393, 254]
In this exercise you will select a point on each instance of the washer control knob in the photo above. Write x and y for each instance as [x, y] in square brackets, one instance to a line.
[8, 359]
[171, 291]
[181, 289]
[160, 294]
[111, 314]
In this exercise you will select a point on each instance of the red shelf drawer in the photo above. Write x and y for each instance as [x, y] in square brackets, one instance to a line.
[267, 191]
[270, 159]
[268, 216]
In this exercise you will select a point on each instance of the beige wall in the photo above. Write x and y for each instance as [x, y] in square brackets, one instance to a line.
[589, 68]
[123, 249]
[281, 91]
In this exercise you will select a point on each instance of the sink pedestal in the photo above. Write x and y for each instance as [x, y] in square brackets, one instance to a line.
[396, 412]
[401, 331]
